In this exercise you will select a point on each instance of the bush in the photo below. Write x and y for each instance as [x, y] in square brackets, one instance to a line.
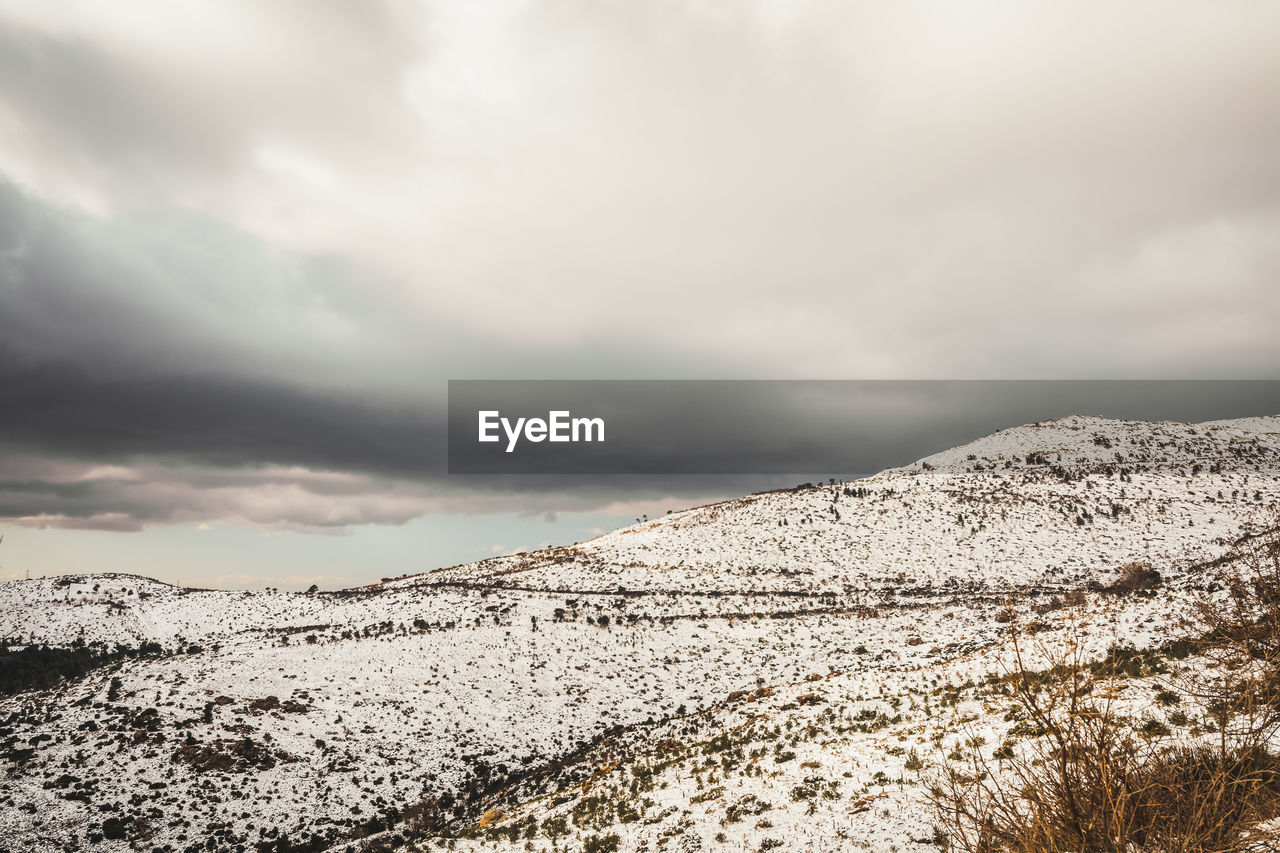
[1134, 577]
[1090, 782]
[1241, 636]
[600, 843]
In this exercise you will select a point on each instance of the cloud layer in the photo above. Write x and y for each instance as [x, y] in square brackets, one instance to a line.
[251, 242]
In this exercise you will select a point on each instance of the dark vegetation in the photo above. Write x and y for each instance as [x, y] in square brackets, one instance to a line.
[44, 667]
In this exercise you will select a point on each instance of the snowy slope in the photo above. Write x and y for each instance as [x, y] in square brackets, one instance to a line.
[1068, 500]
[322, 717]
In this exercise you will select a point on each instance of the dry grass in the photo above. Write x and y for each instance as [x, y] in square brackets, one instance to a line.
[1242, 640]
[1136, 576]
[1087, 782]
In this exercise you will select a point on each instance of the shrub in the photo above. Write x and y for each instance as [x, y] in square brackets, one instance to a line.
[1089, 782]
[1241, 636]
[1134, 577]
[600, 843]
[1075, 598]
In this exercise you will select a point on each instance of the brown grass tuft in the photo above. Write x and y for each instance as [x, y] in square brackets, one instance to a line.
[1087, 782]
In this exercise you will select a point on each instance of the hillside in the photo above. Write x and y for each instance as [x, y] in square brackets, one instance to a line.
[767, 668]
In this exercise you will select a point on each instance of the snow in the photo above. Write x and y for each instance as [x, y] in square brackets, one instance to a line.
[872, 597]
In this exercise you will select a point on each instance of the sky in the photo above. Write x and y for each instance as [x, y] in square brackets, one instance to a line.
[244, 245]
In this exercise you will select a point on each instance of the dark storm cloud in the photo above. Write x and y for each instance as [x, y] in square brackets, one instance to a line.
[209, 446]
[173, 292]
[176, 337]
[191, 353]
[207, 368]
[843, 428]
[256, 239]
[792, 189]
[65, 409]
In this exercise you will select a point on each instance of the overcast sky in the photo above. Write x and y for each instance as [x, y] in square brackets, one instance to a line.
[244, 244]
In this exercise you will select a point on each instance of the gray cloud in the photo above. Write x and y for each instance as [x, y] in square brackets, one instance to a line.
[793, 189]
[260, 237]
[119, 109]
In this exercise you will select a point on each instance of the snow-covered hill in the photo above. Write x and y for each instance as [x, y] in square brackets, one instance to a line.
[1064, 501]
[821, 622]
